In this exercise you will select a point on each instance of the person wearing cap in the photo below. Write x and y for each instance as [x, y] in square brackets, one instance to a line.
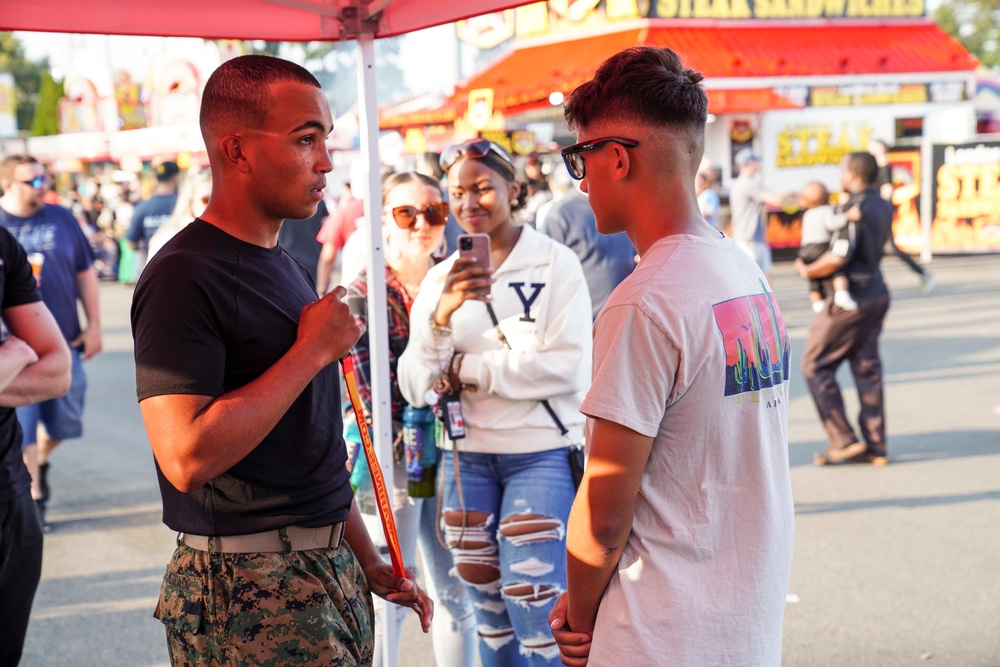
[152, 212]
[747, 197]
[67, 279]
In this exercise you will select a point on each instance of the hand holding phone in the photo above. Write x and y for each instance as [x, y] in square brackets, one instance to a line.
[469, 278]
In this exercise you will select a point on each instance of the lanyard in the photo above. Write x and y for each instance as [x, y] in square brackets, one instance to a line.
[378, 481]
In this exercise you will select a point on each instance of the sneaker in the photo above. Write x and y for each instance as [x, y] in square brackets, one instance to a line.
[843, 299]
[818, 306]
[929, 283]
[40, 511]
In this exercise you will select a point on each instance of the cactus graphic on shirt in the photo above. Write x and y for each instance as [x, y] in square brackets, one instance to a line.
[756, 343]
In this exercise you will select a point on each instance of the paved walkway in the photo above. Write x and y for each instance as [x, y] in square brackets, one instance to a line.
[893, 566]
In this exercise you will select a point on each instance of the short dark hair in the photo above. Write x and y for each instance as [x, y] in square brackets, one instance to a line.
[864, 165]
[236, 94]
[642, 84]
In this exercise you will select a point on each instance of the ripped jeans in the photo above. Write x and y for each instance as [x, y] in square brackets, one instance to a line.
[511, 552]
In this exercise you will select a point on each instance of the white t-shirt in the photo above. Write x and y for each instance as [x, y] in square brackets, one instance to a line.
[692, 351]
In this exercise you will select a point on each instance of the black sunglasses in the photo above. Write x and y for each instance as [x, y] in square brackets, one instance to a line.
[38, 182]
[406, 216]
[475, 149]
[574, 160]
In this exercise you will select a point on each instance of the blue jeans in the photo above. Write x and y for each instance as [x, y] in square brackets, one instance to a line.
[511, 552]
[453, 628]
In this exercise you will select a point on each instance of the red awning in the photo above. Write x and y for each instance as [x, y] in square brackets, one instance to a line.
[523, 79]
[277, 20]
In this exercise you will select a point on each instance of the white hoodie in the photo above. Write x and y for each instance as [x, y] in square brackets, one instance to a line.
[542, 302]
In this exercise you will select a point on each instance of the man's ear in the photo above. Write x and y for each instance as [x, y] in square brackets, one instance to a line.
[232, 148]
[622, 164]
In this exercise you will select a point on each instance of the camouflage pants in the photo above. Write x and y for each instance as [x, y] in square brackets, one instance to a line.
[267, 609]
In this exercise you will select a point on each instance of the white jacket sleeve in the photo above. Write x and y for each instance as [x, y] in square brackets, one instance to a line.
[426, 353]
[559, 361]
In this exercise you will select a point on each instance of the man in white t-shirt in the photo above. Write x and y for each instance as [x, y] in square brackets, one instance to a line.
[680, 539]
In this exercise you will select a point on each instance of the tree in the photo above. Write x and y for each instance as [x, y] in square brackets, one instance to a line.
[27, 77]
[976, 25]
[46, 121]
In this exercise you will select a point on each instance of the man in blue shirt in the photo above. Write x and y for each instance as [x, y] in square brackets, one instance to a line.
[150, 213]
[66, 277]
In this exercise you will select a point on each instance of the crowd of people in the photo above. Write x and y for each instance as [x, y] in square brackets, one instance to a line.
[593, 316]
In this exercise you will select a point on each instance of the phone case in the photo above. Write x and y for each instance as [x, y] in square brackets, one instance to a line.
[475, 245]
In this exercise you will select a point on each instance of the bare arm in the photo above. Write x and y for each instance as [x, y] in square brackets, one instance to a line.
[90, 337]
[773, 199]
[324, 268]
[601, 519]
[197, 438]
[25, 380]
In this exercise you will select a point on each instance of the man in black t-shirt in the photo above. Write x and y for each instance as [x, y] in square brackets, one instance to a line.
[837, 335]
[237, 382]
[34, 366]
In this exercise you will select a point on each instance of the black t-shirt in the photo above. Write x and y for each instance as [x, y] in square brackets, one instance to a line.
[17, 288]
[872, 232]
[210, 314]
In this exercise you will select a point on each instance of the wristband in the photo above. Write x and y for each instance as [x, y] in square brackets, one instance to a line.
[437, 329]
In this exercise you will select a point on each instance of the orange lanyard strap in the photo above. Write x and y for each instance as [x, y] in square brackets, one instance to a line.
[378, 481]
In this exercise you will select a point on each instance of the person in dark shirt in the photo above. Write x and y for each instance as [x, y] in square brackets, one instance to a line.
[34, 366]
[839, 335]
[66, 279]
[238, 387]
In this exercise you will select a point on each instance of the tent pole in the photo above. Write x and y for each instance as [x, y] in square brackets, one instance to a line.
[378, 336]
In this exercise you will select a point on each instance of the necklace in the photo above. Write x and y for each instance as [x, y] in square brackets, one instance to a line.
[412, 288]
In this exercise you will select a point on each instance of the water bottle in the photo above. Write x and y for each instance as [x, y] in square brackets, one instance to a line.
[420, 446]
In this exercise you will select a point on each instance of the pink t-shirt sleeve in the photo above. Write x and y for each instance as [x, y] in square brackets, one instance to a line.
[635, 365]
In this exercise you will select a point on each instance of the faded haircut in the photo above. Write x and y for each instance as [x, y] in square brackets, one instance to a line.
[642, 85]
[11, 163]
[864, 165]
[236, 95]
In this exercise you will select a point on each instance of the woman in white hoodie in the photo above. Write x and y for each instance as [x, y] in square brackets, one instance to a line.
[505, 508]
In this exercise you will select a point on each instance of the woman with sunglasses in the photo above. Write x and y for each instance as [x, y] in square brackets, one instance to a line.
[413, 221]
[505, 338]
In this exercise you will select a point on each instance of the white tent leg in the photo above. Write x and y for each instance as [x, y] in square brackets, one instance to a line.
[378, 335]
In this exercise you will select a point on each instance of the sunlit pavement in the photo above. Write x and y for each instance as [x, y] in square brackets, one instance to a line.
[893, 566]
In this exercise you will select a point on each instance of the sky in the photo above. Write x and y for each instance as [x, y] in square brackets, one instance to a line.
[433, 45]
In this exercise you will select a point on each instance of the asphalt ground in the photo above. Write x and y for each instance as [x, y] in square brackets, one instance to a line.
[893, 566]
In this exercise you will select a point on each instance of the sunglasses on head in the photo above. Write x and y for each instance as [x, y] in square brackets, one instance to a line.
[573, 157]
[475, 149]
[38, 182]
[406, 216]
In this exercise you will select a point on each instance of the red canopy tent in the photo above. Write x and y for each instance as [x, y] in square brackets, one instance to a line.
[283, 20]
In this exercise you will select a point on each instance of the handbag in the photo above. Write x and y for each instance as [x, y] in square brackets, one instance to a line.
[577, 459]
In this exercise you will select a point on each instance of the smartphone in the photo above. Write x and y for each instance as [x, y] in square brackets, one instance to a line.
[477, 246]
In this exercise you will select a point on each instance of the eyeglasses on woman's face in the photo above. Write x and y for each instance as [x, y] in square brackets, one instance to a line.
[573, 155]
